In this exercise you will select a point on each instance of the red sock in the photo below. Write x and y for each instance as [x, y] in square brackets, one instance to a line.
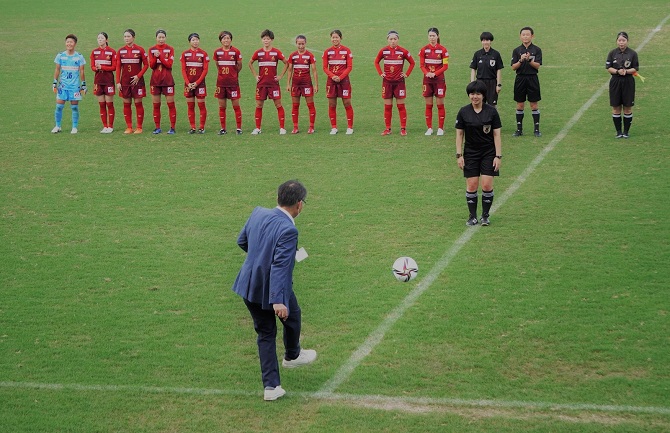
[388, 114]
[110, 114]
[128, 114]
[259, 117]
[312, 113]
[203, 113]
[281, 115]
[140, 114]
[294, 114]
[103, 113]
[402, 112]
[350, 116]
[222, 117]
[172, 111]
[157, 114]
[238, 116]
[440, 116]
[429, 115]
[332, 113]
[191, 114]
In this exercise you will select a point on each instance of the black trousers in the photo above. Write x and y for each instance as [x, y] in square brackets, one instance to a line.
[265, 324]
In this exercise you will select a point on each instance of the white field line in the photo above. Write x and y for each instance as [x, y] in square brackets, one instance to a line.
[436, 403]
[345, 371]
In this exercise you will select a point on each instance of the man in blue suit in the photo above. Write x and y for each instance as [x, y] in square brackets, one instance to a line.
[265, 283]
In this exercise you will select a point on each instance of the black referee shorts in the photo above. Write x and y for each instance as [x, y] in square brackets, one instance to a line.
[622, 91]
[491, 94]
[479, 161]
[527, 86]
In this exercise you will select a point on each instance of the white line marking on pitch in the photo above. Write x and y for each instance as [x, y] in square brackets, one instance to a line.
[347, 398]
[344, 372]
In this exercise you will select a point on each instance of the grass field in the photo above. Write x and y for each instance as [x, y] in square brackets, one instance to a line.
[117, 253]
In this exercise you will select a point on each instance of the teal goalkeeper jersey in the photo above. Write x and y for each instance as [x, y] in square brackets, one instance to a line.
[69, 69]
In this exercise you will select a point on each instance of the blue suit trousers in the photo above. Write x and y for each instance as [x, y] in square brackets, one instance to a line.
[265, 324]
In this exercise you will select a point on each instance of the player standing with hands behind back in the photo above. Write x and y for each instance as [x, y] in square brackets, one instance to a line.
[103, 64]
[130, 68]
[69, 69]
[622, 64]
[434, 61]
[526, 61]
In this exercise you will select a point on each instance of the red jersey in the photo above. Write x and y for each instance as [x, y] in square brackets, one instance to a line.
[106, 58]
[161, 59]
[301, 68]
[267, 66]
[131, 61]
[434, 59]
[394, 61]
[338, 61]
[194, 65]
[228, 63]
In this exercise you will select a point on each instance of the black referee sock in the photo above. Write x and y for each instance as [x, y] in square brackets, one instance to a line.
[536, 119]
[471, 199]
[616, 118]
[519, 120]
[487, 201]
[627, 120]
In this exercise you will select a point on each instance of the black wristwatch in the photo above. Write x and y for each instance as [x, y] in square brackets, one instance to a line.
[458, 155]
[499, 85]
[498, 156]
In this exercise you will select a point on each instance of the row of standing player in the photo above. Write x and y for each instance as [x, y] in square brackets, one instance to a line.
[131, 63]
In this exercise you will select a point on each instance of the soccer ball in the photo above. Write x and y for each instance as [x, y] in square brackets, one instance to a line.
[405, 269]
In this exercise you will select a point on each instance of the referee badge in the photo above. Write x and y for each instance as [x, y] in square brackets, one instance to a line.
[492, 63]
[626, 64]
[487, 129]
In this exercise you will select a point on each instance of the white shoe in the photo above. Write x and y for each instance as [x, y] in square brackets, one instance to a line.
[440, 131]
[55, 130]
[307, 356]
[350, 131]
[429, 131]
[282, 131]
[332, 131]
[74, 131]
[110, 130]
[256, 131]
[272, 394]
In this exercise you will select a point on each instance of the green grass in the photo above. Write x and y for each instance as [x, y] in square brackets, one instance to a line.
[117, 253]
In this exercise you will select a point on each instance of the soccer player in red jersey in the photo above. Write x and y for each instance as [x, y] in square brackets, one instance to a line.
[132, 63]
[103, 64]
[194, 66]
[228, 61]
[337, 64]
[301, 69]
[161, 59]
[267, 79]
[434, 61]
[393, 83]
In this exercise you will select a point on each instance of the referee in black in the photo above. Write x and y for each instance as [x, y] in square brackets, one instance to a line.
[478, 149]
[622, 63]
[526, 61]
[486, 66]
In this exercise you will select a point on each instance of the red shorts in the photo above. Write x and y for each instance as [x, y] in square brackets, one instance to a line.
[393, 89]
[227, 92]
[439, 89]
[162, 90]
[305, 91]
[104, 89]
[198, 92]
[135, 92]
[338, 90]
[263, 93]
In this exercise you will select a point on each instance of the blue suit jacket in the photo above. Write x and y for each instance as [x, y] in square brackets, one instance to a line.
[270, 240]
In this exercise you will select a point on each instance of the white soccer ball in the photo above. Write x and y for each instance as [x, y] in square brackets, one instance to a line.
[405, 269]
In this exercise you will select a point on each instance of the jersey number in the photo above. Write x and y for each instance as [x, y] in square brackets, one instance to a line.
[192, 71]
[225, 70]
